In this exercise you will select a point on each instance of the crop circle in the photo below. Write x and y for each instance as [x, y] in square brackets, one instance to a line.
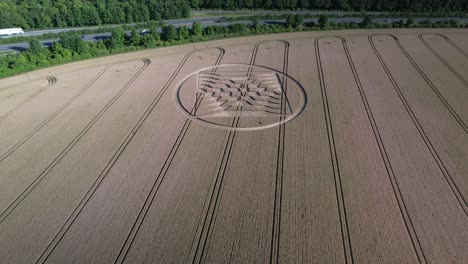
[239, 97]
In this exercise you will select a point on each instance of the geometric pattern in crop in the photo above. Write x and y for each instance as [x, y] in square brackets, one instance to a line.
[240, 94]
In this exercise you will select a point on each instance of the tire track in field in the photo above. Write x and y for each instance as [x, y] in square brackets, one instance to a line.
[167, 163]
[276, 227]
[422, 133]
[428, 81]
[455, 46]
[51, 80]
[421, 37]
[210, 214]
[201, 233]
[53, 115]
[346, 240]
[62, 154]
[388, 166]
[72, 217]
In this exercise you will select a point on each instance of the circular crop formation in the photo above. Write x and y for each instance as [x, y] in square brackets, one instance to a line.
[240, 97]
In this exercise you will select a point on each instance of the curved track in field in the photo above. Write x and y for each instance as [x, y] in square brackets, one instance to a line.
[198, 248]
[72, 217]
[428, 82]
[439, 57]
[371, 172]
[51, 80]
[161, 175]
[62, 154]
[345, 236]
[450, 42]
[47, 120]
[423, 134]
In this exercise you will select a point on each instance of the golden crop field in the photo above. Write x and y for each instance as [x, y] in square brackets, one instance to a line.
[313, 147]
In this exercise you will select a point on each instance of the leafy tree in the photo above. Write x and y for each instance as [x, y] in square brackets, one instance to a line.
[241, 29]
[59, 52]
[266, 4]
[35, 47]
[298, 20]
[197, 28]
[135, 38]
[340, 4]
[169, 33]
[114, 14]
[401, 24]
[148, 41]
[289, 21]
[366, 21]
[323, 21]
[73, 42]
[409, 22]
[155, 33]
[184, 9]
[256, 23]
[209, 31]
[183, 33]
[90, 16]
[117, 38]
[195, 3]
[37, 54]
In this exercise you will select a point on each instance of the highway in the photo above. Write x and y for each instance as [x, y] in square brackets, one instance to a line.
[205, 21]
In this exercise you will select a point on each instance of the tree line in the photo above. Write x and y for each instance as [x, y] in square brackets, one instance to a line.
[71, 47]
[73, 13]
[355, 5]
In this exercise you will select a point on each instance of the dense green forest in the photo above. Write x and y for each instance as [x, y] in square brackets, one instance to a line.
[356, 5]
[69, 13]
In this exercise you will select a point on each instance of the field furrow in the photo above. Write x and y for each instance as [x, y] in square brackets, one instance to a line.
[370, 208]
[35, 113]
[14, 95]
[458, 42]
[245, 208]
[302, 147]
[416, 177]
[443, 135]
[125, 185]
[50, 196]
[442, 46]
[455, 95]
[181, 218]
[309, 221]
[27, 161]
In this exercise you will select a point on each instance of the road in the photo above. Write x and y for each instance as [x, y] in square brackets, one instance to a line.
[206, 22]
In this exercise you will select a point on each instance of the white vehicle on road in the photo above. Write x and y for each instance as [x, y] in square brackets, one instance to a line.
[11, 31]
